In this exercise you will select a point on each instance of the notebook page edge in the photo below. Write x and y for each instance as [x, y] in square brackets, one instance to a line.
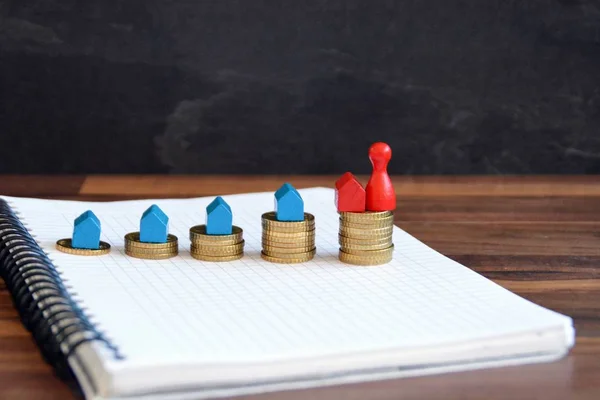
[353, 379]
[502, 351]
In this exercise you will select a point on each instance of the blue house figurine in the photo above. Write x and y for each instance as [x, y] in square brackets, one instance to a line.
[219, 217]
[289, 205]
[86, 232]
[154, 225]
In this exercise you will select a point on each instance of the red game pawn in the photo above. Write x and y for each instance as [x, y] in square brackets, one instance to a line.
[380, 191]
[349, 194]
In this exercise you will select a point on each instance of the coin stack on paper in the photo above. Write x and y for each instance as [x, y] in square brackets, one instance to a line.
[208, 247]
[150, 251]
[288, 242]
[366, 237]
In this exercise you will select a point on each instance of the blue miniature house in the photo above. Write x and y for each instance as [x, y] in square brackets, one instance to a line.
[218, 217]
[289, 205]
[86, 232]
[154, 225]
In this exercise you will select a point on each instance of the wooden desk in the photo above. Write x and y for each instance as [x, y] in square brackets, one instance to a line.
[537, 236]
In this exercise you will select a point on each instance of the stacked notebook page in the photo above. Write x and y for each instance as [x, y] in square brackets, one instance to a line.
[184, 328]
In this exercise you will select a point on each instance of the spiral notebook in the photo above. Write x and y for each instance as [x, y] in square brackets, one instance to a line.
[181, 328]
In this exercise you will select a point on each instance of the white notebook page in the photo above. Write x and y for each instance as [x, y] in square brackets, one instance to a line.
[182, 310]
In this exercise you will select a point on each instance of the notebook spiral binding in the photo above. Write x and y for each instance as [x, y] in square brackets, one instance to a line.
[58, 324]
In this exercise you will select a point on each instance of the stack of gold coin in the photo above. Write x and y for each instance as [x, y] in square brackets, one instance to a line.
[208, 247]
[366, 238]
[151, 251]
[288, 242]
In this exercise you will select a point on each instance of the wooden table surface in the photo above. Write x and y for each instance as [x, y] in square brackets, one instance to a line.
[536, 236]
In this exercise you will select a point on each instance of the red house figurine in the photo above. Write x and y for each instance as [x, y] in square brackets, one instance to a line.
[349, 194]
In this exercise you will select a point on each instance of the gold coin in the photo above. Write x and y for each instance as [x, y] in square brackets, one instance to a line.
[343, 240]
[152, 255]
[298, 254]
[286, 250]
[351, 248]
[377, 223]
[369, 238]
[215, 254]
[364, 260]
[66, 246]
[353, 232]
[290, 243]
[133, 240]
[205, 257]
[151, 251]
[288, 235]
[288, 229]
[217, 249]
[270, 219]
[377, 238]
[366, 216]
[370, 253]
[198, 235]
[159, 247]
[366, 234]
[310, 242]
[355, 260]
[200, 243]
[162, 246]
[281, 260]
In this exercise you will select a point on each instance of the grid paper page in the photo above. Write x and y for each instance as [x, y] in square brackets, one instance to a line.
[182, 310]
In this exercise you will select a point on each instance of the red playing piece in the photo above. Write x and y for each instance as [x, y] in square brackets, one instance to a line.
[349, 194]
[380, 191]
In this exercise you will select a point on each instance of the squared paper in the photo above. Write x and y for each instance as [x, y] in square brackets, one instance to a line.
[184, 311]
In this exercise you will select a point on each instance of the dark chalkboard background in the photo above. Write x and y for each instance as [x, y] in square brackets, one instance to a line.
[235, 86]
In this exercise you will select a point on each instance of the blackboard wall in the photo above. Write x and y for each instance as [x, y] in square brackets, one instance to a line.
[233, 86]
